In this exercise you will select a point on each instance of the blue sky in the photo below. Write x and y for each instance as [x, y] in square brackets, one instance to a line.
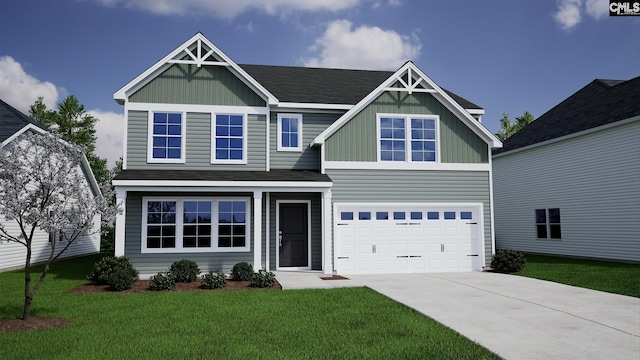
[504, 55]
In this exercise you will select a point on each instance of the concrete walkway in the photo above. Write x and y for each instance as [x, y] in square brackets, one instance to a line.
[515, 317]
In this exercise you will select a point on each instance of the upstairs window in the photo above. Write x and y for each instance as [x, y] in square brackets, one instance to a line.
[166, 137]
[548, 223]
[407, 138]
[289, 132]
[229, 139]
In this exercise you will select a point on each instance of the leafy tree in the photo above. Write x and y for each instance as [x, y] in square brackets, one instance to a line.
[507, 129]
[42, 186]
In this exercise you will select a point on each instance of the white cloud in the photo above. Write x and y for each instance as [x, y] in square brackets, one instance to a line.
[366, 47]
[570, 12]
[109, 133]
[21, 90]
[229, 9]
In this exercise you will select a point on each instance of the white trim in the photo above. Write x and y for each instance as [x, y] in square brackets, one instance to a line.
[183, 140]
[267, 143]
[257, 230]
[245, 140]
[403, 165]
[222, 109]
[195, 185]
[125, 138]
[267, 229]
[25, 128]
[407, 136]
[279, 145]
[491, 211]
[327, 237]
[119, 242]
[313, 106]
[308, 202]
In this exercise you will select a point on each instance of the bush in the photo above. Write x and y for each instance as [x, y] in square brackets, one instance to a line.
[120, 279]
[184, 270]
[263, 279]
[213, 280]
[104, 268]
[242, 271]
[162, 281]
[508, 261]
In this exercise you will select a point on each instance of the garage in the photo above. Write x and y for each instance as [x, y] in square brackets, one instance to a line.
[406, 238]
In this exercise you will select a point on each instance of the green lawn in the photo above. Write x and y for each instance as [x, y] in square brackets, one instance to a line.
[292, 324]
[613, 277]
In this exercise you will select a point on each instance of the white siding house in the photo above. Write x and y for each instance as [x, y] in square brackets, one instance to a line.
[576, 193]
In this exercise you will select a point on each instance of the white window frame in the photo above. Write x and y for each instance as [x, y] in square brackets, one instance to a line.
[245, 139]
[183, 136]
[180, 226]
[407, 137]
[280, 147]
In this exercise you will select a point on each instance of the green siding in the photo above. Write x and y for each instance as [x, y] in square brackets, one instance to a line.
[309, 158]
[189, 84]
[458, 143]
[198, 144]
[415, 186]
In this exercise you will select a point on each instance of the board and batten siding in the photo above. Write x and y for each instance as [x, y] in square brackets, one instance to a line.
[309, 158]
[414, 186]
[457, 142]
[594, 180]
[198, 143]
[205, 85]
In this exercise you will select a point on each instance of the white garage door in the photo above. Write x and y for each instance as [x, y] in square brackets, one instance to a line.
[402, 238]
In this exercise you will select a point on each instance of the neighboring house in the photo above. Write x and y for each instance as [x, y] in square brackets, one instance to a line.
[346, 171]
[569, 182]
[13, 124]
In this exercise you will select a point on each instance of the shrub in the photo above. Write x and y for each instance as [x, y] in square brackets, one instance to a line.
[507, 260]
[103, 269]
[263, 279]
[184, 270]
[162, 281]
[242, 271]
[120, 279]
[213, 280]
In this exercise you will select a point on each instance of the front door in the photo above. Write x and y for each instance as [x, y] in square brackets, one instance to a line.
[293, 235]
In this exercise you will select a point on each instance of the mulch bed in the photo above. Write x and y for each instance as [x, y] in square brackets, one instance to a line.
[334, 277]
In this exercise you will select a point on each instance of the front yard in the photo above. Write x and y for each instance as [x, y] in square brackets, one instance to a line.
[292, 324]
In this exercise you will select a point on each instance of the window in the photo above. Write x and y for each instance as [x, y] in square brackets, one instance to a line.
[396, 131]
[166, 137]
[416, 215]
[364, 215]
[289, 132]
[466, 215]
[195, 225]
[449, 215]
[433, 215]
[399, 215]
[346, 215]
[229, 139]
[382, 215]
[548, 223]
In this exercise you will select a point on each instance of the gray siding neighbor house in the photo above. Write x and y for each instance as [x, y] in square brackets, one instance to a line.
[13, 124]
[569, 182]
[292, 168]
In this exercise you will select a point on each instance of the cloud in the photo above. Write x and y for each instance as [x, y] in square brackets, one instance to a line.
[570, 12]
[229, 9]
[366, 47]
[109, 132]
[21, 90]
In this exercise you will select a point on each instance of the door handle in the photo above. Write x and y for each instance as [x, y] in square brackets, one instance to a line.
[280, 238]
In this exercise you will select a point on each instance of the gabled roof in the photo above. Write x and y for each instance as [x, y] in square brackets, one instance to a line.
[409, 78]
[599, 103]
[13, 121]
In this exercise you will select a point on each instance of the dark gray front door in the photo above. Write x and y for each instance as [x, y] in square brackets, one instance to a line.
[294, 235]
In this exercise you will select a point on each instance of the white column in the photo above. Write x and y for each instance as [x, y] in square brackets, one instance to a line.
[327, 239]
[121, 198]
[257, 230]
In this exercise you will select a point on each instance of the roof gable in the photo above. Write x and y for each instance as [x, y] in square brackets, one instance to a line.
[599, 103]
[13, 122]
[409, 78]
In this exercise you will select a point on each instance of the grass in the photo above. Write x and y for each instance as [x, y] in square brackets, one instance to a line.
[613, 277]
[292, 324]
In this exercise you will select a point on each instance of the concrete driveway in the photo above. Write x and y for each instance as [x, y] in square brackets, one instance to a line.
[518, 317]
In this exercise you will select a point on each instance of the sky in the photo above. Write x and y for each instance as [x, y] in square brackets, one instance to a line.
[508, 56]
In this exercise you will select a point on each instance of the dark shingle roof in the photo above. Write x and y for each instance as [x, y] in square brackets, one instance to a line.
[223, 175]
[12, 120]
[324, 86]
[599, 103]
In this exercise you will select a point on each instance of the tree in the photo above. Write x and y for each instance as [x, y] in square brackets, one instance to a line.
[507, 129]
[42, 187]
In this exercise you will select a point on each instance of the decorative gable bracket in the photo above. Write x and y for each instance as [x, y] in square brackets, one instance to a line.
[410, 81]
[188, 57]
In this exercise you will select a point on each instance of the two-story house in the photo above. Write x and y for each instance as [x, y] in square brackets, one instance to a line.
[347, 171]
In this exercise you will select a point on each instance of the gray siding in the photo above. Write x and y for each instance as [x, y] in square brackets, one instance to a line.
[309, 158]
[189, 84]
[458, 143]
[595, 181]
[198, 143]
[415, 186]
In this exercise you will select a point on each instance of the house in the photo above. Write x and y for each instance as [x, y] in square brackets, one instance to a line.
[290, 168]
[569, 182]
[13, 124]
